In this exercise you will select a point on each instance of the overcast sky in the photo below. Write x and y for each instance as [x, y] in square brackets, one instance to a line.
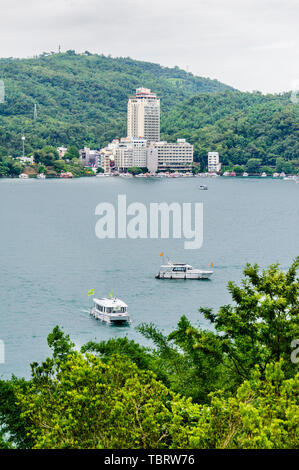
[249, 44]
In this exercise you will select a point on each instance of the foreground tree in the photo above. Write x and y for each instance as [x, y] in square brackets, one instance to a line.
[85, 403]
[264, 414]
[259, 327]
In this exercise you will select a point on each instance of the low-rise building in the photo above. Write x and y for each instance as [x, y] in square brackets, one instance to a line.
[89, 157]
[176, 156]
[26, 160]
[214, 165]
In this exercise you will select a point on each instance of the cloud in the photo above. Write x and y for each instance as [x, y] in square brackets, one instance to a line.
[247, 43]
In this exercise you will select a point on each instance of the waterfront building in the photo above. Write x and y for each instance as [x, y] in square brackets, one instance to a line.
[214, 165]
[152, 159]
[144, 115]
[89, 157]
[176, 156]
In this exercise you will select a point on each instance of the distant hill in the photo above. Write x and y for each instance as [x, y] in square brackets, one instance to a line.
[240, 126]
[82, 98]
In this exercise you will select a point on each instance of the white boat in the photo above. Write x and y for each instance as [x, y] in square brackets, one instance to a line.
[113, 310]
[41, 176]
[245, 174]
[289, 178]
[276, 175]
[181, 271]
[203, 187]
[264, 175]
[23, 176]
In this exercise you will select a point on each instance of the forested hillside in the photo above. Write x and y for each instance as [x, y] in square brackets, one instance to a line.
[82, 98]
[240, 126]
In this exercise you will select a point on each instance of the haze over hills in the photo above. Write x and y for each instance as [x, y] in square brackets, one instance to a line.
[82, 100]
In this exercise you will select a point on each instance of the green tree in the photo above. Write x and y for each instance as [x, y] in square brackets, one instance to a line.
[263, 414]
[253, 165]
[87, 403]
[260, 325]
[72, 152]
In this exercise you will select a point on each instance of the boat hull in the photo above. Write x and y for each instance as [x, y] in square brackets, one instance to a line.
[182, 275]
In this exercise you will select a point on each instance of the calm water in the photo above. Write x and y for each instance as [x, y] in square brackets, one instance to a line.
[50, 256]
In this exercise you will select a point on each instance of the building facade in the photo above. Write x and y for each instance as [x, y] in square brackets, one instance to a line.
[89, 157]
[174, 156]
[214, 165]
[144, 115]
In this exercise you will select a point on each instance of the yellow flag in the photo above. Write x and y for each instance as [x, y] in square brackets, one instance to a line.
[111, 294]
[90, 292]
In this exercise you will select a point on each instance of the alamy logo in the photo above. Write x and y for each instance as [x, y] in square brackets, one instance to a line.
[155, 222]
[2, 352]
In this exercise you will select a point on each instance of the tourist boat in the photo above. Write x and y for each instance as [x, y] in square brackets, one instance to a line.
[226, 173]
[23, 176]
[41, 176]
[181, 271]
[282, 174]
[245, 174]
[203, 187]
[276, 175]
[113, 310]
[264, 175]
[232, 173]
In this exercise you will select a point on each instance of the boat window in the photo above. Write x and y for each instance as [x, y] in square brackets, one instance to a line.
[180, 269]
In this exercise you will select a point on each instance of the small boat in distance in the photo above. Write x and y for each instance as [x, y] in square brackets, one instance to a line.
[245, 174]
[113, 310]
[264, 175]
[23, 176]
[203, 187]
[181, 271]
[41, 176]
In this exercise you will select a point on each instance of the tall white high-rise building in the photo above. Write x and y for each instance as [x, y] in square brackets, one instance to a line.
[144, 115]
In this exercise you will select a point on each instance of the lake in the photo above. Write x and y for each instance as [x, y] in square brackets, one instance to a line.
[51, 257]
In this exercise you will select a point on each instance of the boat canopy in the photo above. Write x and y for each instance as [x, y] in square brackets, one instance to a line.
[112, 303]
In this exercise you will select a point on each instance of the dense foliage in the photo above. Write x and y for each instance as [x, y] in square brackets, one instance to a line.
[236, 387]
[247, 129]
[82, 101]
[81, 98]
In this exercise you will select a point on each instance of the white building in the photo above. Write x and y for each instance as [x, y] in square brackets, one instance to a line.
[26, 160]
[214, 166]
[105, 159]
[152, 159]
[174, 156]
[129, 152]
[144, 115]
[61, 151]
